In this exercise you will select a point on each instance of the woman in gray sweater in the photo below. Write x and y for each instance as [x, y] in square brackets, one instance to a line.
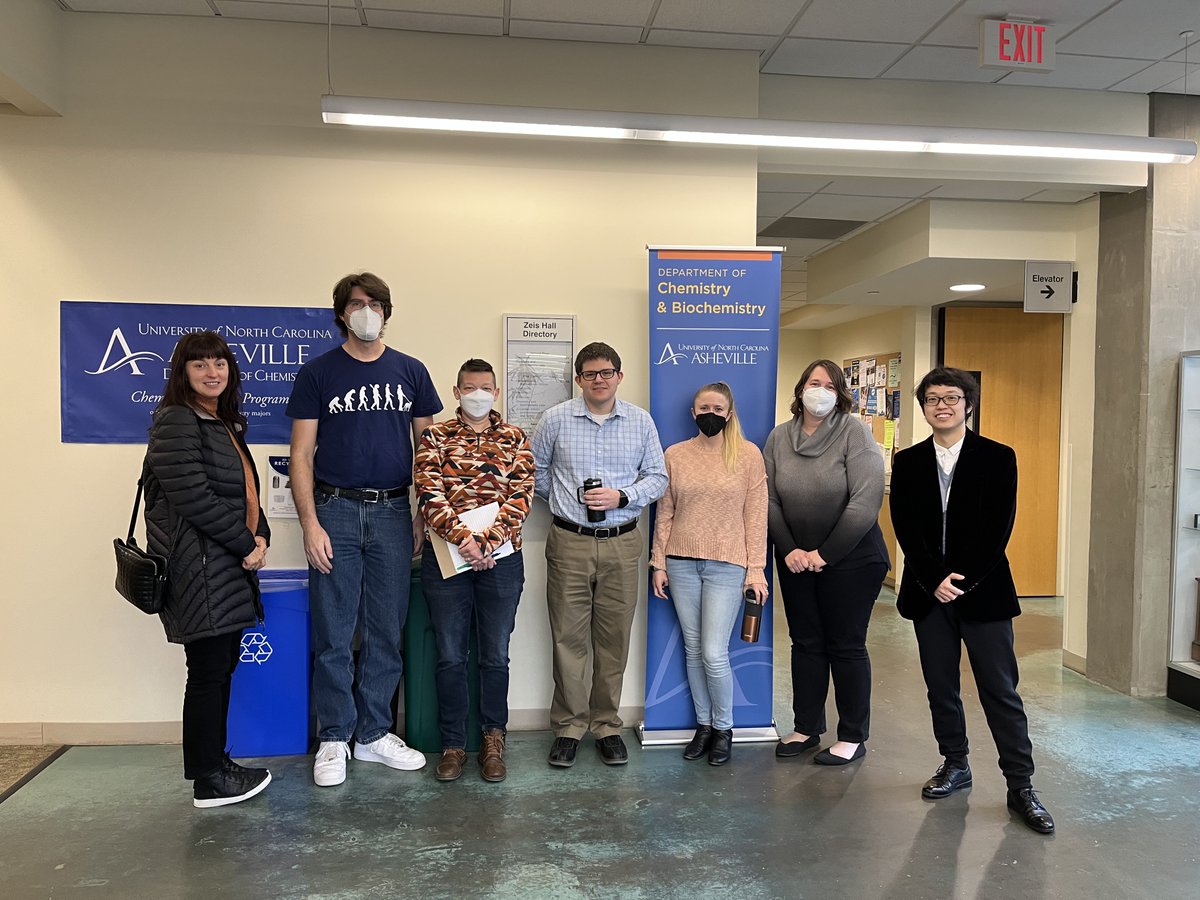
[825, 483]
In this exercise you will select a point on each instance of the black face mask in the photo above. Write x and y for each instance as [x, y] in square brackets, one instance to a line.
[710, 424]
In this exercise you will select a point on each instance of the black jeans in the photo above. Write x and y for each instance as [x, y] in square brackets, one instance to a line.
[210, 665]
[940, 638]
[828, 613]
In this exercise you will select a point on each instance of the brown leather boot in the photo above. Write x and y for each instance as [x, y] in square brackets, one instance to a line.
[491, 756]
[451, 764]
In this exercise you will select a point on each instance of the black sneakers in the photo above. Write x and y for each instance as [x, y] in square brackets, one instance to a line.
[229, 784]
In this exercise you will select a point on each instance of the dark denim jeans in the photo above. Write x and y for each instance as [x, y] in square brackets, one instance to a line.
[491, 598]
[367, 591]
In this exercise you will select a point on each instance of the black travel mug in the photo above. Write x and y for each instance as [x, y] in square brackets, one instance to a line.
[593, 515]
[751, 617]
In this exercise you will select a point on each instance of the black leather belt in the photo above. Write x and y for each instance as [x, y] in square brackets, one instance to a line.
[366, 495]
[600, 534]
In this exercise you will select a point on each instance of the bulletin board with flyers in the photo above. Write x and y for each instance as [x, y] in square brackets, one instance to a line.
[875, 385]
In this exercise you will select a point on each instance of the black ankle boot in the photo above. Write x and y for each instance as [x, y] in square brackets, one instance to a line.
[699, 743]
[722, 746]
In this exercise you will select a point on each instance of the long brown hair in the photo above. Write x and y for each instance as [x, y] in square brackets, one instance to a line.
[204, 345]
[845, 400]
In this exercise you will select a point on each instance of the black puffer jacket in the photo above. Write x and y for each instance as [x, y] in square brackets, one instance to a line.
[196, 503]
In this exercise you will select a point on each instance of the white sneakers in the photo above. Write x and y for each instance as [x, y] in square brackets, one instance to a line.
[392, 752]
[329, 766]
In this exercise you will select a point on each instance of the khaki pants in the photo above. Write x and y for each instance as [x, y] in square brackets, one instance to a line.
[592, 594]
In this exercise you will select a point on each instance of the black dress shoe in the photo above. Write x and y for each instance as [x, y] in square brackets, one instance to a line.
[699, 743]
[612, 750]
[1026, 803]
[949, 777]
[562, 752]
[785, 750]
[825, 758]
[722, 746]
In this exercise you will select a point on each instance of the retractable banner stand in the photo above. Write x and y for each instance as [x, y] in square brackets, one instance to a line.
[714, 316]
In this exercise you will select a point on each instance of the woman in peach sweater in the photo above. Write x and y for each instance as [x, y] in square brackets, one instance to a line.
[710, 545]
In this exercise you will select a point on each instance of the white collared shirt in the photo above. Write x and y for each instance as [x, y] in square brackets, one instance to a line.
[947, 457]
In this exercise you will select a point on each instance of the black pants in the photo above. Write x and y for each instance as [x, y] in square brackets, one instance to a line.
[940, 636]
[210, 665]
[828, 613]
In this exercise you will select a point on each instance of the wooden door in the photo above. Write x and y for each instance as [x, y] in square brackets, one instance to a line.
[1019, 358]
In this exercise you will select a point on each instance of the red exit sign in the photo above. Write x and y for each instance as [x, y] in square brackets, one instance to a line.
[1023, 46]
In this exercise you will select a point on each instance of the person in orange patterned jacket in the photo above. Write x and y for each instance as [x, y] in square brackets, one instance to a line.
[471, 461]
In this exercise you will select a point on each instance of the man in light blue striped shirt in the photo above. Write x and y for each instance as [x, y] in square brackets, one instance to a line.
[593, 563]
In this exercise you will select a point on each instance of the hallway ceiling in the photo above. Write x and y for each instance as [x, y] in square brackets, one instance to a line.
[1129, 46]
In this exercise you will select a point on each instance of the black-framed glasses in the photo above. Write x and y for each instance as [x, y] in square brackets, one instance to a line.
[952, 400]
[606, 374]
[355, 305]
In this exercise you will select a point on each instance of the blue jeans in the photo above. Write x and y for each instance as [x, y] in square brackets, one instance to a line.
[707, 596]
[367, 591]
[490, 598]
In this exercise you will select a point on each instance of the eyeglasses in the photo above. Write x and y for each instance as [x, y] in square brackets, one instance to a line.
[356, 305]
[605, 374]
[952, 400]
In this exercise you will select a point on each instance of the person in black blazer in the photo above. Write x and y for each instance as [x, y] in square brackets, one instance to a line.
[953, 502]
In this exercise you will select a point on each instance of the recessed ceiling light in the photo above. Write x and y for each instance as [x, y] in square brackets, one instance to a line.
[872, 292]
[967, 287]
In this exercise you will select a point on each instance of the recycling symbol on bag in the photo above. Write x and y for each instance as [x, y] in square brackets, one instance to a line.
[255, 648]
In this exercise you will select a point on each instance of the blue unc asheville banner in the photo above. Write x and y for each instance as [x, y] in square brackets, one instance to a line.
[115, 358]
[714, 316]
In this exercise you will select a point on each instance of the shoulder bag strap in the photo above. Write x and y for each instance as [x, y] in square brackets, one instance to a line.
[137, 501]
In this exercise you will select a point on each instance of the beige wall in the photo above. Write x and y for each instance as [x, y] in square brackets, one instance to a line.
[191, 167]
[796, 350]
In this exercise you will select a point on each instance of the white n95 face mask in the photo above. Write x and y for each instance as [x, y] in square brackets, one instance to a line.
[365, 323]
[818, 401]
[477, 404]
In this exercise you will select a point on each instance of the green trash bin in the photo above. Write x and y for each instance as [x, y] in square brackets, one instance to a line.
[420, 675]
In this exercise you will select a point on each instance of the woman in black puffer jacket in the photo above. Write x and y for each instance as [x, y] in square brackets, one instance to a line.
[203, 513]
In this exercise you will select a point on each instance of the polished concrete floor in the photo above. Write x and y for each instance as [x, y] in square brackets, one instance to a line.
[1122, 777]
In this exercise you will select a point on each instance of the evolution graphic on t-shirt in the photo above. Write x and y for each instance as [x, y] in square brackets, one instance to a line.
[370, 397]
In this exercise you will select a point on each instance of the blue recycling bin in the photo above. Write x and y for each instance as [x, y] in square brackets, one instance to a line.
[270, 708]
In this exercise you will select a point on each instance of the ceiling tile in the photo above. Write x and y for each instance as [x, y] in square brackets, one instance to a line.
[984, 190]
[781, 182]
[1060, 196]
[942, 64]
[961, 27]
[837, 206]
[792, 227]
[770, 204]
[871, 20]
[833, 59]
[744, 17]
[1095, 73]
[879, 187]
[711, 40]
[762, 222]
[443, 7]
[574, 31]
[286, 12]
[1154, 77]
[1142, 29]
[610, 12]
[1176, 87]
[159, 7]
[414, 21]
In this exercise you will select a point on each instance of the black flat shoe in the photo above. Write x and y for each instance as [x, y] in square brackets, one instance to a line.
[825, 758]
[562, 752]
[785, 750]
[700, 742]
[612, 750]
[1026, 804]
[949, 777]
[722, 747]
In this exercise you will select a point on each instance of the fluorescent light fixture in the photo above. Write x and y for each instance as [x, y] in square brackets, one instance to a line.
[963, 288]
[433, 115]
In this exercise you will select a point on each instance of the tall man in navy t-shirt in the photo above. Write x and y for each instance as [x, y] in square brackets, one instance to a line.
[355, 412]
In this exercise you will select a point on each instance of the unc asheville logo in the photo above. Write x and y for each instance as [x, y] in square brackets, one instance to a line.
[131, 359]
[670, 356]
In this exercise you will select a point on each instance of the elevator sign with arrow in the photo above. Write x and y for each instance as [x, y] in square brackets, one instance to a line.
[1048, 286]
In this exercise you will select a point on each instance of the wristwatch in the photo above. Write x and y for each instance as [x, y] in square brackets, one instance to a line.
[624, 501]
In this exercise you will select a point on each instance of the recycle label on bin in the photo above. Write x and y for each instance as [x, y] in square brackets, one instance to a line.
[255, 648]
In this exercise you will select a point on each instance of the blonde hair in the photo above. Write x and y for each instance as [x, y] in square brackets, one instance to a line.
[732, 434]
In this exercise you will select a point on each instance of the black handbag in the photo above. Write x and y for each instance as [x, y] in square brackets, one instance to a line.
[141, 576]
